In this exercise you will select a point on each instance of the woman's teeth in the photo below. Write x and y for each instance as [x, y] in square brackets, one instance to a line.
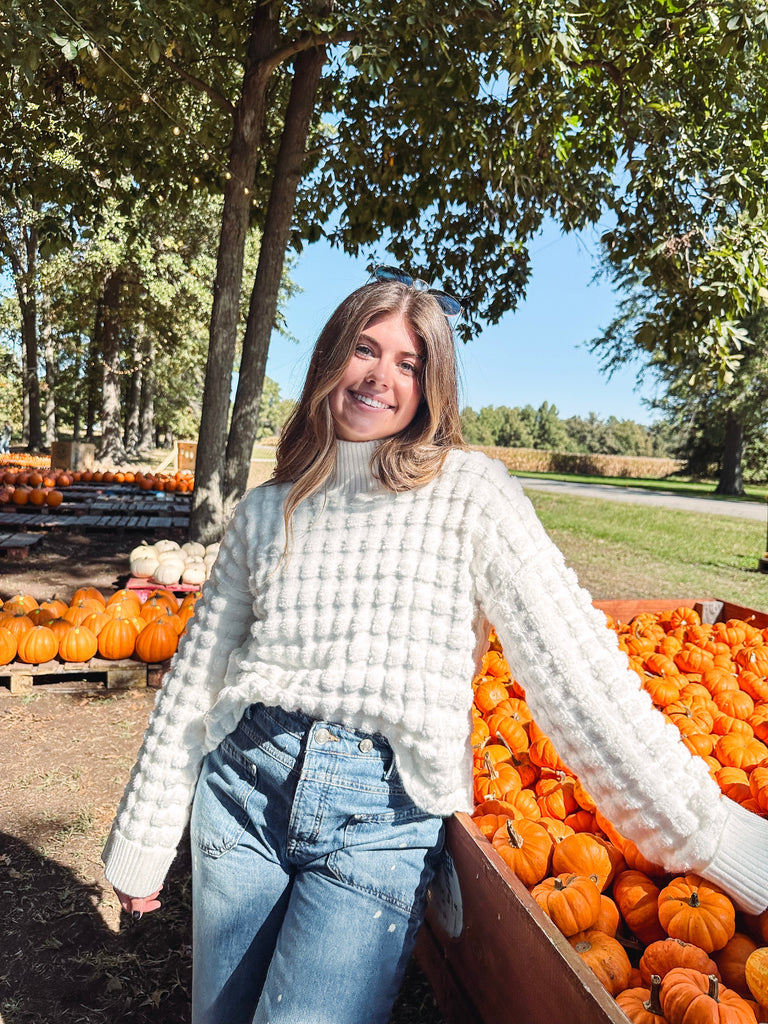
[369, 401]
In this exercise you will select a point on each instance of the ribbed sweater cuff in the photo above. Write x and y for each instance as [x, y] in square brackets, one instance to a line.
[134, 869]
[740, 865]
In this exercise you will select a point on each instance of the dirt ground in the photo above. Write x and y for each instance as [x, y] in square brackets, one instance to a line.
[68, 952]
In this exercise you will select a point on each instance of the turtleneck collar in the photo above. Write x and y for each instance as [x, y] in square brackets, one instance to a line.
[352, 474]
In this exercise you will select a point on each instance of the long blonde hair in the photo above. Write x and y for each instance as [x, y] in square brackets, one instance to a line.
[306, 452]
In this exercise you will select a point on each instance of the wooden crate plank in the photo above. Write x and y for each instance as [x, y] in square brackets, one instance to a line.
[20, 540]
[10, 519]
[16, 546]
[711, 609]
[625, 610]
[127, 676]
[454, 1003]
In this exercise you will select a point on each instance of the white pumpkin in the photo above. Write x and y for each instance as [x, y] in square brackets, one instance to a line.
[212, 549]
[142, 550]
[166, 544]
[143, 566]
[209, 560]
[194, 574]
[193, 550]
[169, 572]
[172, 556]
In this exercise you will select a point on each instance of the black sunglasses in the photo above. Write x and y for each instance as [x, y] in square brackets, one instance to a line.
[449, 304]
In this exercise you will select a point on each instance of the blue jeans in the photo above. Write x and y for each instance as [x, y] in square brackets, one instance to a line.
[310, 870]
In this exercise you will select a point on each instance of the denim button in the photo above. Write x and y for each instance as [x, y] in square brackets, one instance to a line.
[366, 745]
[322, 735]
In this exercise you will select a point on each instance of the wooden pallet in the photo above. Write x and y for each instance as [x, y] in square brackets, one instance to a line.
[101, 521]
[78, 677]
[16, 546]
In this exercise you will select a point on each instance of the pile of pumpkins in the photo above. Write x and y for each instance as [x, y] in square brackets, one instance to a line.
[42, 485]
[181, 482]
[33, 486]
[23, 460]
[659, 943]
[89, 624]
[167, 563]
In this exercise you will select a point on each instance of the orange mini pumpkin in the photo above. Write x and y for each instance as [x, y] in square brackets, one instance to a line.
[525, 846]
[660, 957]
[688, 995]
[697, 911]
[605, 957]
[642, 1005]
[572, 902]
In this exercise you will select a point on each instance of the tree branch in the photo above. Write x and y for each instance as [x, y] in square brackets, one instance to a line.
[305, 42]
[220, 100]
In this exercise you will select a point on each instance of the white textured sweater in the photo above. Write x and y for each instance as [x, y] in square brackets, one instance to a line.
[377, 621]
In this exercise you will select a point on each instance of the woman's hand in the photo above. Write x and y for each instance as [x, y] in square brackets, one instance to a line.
[138, 905]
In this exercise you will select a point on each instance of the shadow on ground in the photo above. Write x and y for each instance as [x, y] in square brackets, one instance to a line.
[61, 963]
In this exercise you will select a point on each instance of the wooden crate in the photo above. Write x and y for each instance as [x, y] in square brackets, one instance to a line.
[489, 952]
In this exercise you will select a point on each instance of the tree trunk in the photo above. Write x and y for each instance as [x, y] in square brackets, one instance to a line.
[730, 481]
[107, 336]
[49, 355]
[24, 397]
[133, 416]
[208, 515]
[26, 292]
[147, 417]
[308, 67]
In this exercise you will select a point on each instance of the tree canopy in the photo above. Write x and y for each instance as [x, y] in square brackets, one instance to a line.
[442, 132]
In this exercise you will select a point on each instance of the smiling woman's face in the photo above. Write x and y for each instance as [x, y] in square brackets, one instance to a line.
[379, 393]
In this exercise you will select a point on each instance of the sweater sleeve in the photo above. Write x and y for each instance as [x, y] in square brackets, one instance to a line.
[155, 807]
[586, 697]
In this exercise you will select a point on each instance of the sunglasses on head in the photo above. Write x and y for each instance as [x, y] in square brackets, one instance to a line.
[449, 304]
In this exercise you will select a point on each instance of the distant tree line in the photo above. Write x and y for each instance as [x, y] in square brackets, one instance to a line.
[543, 429]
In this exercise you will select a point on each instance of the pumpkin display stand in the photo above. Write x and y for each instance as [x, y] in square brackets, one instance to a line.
[143, 587]
[84, 677]
[489, 952]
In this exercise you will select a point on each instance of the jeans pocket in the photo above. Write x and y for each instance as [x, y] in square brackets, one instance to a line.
[220, 810]
[390, 856]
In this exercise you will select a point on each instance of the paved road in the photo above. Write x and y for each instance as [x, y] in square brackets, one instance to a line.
[640, 496]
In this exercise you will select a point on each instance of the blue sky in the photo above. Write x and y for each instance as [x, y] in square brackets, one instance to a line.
[536, 354]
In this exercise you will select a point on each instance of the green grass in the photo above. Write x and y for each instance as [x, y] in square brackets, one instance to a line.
[621, 550]
[675, 485]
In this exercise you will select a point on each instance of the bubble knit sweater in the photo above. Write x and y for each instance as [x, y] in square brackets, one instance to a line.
[377, 621]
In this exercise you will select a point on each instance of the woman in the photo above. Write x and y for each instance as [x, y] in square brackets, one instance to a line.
[325, 681]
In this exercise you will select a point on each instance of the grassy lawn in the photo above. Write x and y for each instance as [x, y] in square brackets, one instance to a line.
[620, 550]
